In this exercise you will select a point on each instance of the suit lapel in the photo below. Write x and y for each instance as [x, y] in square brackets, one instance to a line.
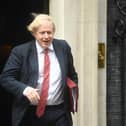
[33, 64]
[60, 56]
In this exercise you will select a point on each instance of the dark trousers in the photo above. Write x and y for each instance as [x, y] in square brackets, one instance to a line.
[53, 116]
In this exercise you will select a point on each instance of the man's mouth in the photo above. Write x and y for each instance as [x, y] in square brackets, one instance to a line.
[46, 41]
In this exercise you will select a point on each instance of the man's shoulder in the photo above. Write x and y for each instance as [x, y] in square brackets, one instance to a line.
[25, 45]
[60, 41]
[23, 48]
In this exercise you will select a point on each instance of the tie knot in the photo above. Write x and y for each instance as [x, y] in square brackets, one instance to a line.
[46, 50]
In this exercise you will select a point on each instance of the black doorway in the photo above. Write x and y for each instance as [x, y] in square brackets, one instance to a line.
[14, 16]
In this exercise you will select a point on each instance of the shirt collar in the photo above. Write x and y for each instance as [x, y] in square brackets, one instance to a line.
[40, 49]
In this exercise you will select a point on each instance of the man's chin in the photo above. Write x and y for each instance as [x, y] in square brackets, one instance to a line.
[45, 46]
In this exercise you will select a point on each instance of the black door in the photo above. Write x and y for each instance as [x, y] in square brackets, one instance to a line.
[116, 63]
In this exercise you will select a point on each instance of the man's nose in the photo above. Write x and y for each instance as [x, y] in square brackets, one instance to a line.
[46, 35]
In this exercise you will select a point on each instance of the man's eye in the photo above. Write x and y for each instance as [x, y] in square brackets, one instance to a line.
[48, 32]
[42, 33]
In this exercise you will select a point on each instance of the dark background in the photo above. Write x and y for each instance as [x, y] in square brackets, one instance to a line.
[14, 17]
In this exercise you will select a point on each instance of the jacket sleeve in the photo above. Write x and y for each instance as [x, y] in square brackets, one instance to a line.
[9, 78]
[72, 74]
[72, 82]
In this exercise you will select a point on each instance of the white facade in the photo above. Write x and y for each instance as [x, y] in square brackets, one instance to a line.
[83, 24]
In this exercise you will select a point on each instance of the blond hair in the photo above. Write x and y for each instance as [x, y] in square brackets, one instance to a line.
[36, 23]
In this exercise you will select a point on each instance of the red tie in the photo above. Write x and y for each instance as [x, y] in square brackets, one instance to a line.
[44, 92]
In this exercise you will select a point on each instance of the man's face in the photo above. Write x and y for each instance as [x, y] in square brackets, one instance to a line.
[44, 34]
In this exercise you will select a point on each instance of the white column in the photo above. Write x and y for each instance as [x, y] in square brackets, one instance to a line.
[57, 12]
[102, 37]
[88, 63]
[76, 21]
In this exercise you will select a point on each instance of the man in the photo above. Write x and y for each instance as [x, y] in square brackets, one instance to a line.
[24, 77]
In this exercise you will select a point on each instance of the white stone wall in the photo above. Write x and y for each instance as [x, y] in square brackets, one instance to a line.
[81, 22]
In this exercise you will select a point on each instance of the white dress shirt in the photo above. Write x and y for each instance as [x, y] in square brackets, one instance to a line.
[55, 94]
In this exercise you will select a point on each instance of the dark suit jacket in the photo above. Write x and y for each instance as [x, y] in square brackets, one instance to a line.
[21, 70]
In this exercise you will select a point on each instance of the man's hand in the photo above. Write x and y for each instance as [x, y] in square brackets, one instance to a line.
[32, 95]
